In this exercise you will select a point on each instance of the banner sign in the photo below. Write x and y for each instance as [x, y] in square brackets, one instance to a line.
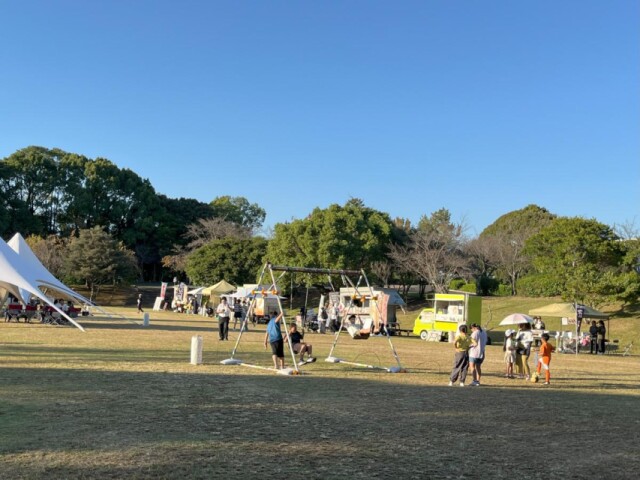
[163, 289]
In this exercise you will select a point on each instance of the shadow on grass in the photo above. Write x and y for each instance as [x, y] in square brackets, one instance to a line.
[67, 423]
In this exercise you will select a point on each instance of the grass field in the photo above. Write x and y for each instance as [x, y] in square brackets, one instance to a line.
[122, 401]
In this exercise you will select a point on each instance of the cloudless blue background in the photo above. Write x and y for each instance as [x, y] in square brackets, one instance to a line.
[481, 107]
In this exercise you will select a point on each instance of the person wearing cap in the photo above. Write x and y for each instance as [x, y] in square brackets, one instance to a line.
[509, 349]
[462, 343]
[476, 353]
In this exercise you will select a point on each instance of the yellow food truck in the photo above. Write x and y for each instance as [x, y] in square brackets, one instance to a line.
[445, 313]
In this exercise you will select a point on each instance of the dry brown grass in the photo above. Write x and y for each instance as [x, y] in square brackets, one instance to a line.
[122, 401]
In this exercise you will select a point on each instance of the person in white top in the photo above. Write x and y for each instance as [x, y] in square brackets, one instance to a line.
[524, 340]
[224, 315]
[476, 353]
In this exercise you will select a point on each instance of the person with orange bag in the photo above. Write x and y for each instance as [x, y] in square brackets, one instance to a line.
[544, 358]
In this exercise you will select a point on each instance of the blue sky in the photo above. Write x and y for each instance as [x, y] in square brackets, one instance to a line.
[479, 107]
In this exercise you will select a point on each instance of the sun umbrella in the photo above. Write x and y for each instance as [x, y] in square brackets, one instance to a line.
[516, 319]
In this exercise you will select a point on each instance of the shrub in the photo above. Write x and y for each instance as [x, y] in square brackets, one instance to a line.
[502, 291]
[469, 287]
[538, 285]
[456, 284]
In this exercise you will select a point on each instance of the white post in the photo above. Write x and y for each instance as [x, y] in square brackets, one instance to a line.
[196, 350]
[145, 320]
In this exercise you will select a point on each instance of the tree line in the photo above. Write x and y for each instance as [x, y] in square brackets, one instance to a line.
[73, 208]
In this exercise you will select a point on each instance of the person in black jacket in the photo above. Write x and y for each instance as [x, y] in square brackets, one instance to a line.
[602, 334]
[593, 333]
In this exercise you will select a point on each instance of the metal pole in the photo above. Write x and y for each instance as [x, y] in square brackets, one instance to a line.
[284, 320]
[249, 312]
[386, 329]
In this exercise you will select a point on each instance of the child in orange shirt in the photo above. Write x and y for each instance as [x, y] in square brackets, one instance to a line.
[544, 358]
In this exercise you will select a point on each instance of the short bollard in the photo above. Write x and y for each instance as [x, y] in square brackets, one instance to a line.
[196, 350]
[145, 320]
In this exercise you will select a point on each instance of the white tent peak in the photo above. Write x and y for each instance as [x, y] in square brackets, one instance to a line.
[17, 277]
[19, 245]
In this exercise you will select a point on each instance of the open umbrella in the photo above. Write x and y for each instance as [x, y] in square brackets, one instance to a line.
[516, 319]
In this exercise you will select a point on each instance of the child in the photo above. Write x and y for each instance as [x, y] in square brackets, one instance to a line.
[298, 345]
[509, 352]
[274, 337]
[544, 358]
[462, 343]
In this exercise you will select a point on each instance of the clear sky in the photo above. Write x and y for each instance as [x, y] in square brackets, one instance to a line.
[482, 107]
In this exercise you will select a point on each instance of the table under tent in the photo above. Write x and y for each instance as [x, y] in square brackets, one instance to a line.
[352, 319]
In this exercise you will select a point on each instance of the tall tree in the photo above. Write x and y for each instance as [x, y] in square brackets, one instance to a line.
[435, 252]
[96, 259]
[578, 253]
[349, 236]
[238, 210]
[505, 241]
[232, 259]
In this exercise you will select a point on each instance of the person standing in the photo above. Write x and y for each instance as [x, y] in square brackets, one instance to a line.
[237, 314]
[544, 358]
[462, 343]
[332, 321]
[476, 353]
[524, 340]
[224, 316]
[593, 336]
[509, 349]
[602, 335]
[274, 337]
[139, 303]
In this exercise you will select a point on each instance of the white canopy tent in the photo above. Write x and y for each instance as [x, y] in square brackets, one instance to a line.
[45, 278]
[17, 276]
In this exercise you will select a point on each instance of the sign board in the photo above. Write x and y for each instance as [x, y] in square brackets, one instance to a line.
[158, 304]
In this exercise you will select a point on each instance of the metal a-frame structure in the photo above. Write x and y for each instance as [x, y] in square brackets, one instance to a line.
[258, 293]
[346, 278]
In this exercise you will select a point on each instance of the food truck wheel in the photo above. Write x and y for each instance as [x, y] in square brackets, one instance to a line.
[424, 335]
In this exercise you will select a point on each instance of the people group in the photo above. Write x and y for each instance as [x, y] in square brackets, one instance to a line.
[597, 335]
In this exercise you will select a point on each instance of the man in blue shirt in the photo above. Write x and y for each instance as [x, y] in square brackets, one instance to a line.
[274, 337]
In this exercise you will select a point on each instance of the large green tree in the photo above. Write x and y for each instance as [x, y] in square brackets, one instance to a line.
[349, 236]
[582, 256]
[500, 248]
[240, 211]
[96, 259]
[232, 259]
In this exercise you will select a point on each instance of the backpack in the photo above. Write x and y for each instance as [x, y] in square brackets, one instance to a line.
[324, 315]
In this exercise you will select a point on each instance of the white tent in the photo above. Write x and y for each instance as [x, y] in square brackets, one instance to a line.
[44, 277]
[18, 276]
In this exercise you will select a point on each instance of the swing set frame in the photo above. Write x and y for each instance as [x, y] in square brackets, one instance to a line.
[273, 290]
